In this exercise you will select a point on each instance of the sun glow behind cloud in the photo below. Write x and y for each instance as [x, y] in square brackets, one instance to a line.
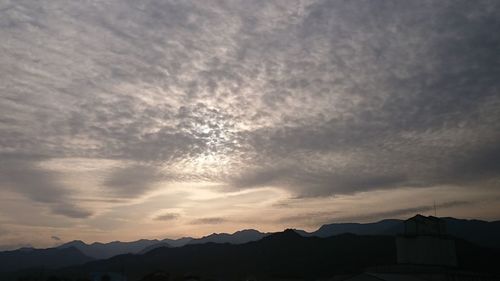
[184, 118]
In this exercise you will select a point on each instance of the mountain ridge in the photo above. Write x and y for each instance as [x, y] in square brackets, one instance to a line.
[100, 250]
[480, 232]
[50, 258]
[283, 254]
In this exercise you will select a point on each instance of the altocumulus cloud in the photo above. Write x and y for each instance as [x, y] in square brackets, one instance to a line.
[317, 98]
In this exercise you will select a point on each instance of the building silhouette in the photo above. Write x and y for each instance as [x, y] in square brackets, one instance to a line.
[425, 242]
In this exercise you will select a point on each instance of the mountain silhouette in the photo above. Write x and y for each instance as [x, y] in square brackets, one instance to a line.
[287, 236]
[239, 237]
[47, 258]
[280, 254]
[99, 250]
[155, 246]
[486, 234]
[345, 247]
[482, 233]
[177, 242]
[383, 227]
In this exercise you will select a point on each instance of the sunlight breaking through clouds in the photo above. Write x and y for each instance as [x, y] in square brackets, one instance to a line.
[169, 114]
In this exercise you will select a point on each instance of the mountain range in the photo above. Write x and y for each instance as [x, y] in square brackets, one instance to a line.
[239, 237]
[284, 255]
[482, 233]
[99, 250]
[46, 258]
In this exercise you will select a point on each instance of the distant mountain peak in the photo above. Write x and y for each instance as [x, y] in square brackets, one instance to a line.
[99, 250]
[238, 237]
[290, 232]
[73, 243]
[247, 231]
[287, 234]
[49, 258]
[26, 249]
[155, 246]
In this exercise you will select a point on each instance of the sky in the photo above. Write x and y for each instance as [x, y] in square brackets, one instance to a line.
[124, 119]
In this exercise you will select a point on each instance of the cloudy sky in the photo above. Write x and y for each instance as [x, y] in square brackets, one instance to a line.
[124, 119]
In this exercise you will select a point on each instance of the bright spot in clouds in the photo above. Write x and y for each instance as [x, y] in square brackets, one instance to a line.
[122, 119]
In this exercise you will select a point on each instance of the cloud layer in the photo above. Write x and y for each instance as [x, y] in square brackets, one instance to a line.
[112, 105]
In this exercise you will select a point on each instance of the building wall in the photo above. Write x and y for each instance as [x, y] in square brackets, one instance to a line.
[420, 225]
[426, 250]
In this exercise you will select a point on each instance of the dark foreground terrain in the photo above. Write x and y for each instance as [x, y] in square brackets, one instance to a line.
[282, 255]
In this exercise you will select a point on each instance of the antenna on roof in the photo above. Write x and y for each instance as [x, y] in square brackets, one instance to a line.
[435, 214]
